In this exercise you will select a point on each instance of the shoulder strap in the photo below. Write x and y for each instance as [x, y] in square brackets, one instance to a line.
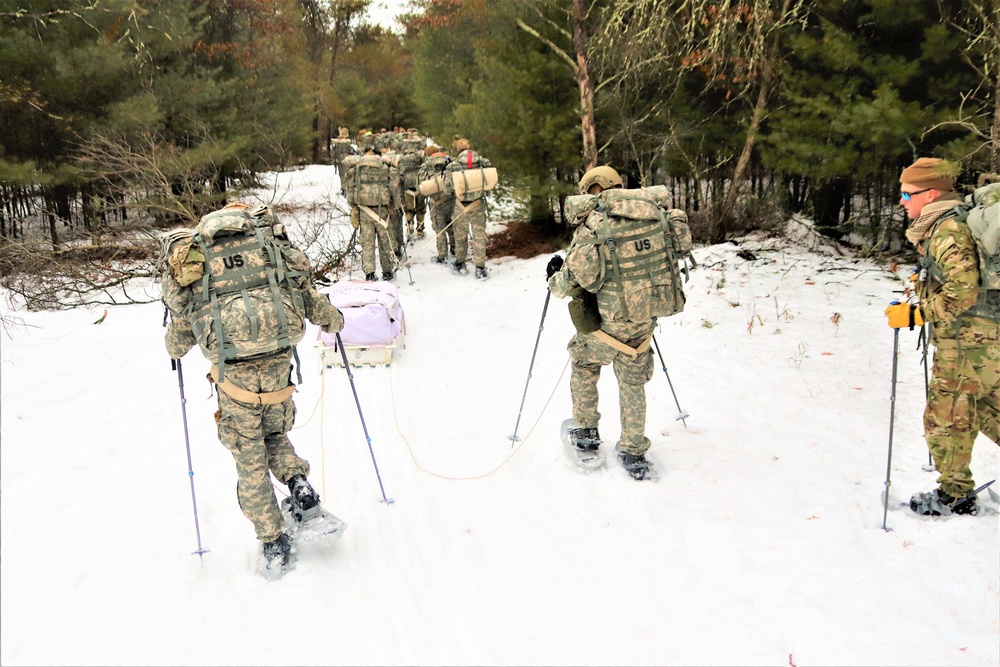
[611, 244]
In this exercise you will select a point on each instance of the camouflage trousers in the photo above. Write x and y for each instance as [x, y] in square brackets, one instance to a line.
[444, 232]
[588, 355]
[415, 216]
[370, 232]
[473, 216]
[396, 228]
[256, 437]
[963, 401]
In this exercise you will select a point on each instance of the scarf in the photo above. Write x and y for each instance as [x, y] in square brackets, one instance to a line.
[921, 228]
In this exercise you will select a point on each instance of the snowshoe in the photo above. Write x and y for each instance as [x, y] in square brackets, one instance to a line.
[460, 268]
[370, 277]
[481, 273]
[388, 275]
[939, 503]
[313, 525]
[437, 259]
[276, 558]
[582, 446]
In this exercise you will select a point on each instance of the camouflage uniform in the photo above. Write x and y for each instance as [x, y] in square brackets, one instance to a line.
[588, 355]
[415, 206]
[391, 158]
[468, 215]
[371, 231]
[964, 395]
[255, 434]
[342, 147]
[442, 205]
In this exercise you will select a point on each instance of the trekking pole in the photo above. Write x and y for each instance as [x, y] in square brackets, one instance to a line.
[681, 414]
[406, 263]
[347, 367]
[176, 364]
[892, 418]
[513, 438]
[925, 335]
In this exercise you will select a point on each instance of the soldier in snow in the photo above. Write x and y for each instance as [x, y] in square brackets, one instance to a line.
[964, 394]
[237, 288]
[619, 290]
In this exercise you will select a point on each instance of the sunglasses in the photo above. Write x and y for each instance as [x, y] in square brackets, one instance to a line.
[907, 196]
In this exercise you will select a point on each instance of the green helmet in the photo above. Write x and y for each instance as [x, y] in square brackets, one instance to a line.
[604, 176]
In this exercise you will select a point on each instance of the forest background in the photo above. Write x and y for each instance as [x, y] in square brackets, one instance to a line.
[126, 115]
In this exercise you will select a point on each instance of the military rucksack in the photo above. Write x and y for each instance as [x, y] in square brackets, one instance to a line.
[981, 212]
[366, 180]
[409, 167]
[245, 303]
[472, 176]
[412, 144]
[432, 182]
[640, 249]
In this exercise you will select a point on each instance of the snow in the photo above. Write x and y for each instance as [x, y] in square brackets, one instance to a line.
[761, 544]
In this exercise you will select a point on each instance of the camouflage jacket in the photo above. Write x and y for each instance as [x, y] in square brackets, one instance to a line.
[952, 286]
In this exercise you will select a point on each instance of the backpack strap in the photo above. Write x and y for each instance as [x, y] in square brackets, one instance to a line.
[274, 262]
[612, 246]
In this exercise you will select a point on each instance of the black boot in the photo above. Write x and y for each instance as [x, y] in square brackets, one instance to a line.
[370, 277]
[637, 466]
[481, 272]
[585, 438]
[304, 497]
[277, 558]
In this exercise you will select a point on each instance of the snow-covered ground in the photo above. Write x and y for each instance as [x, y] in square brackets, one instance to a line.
[761, 544]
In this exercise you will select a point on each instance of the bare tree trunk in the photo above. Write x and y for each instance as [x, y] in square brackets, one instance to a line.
[586, 85]
[995, 132]
[736, 185]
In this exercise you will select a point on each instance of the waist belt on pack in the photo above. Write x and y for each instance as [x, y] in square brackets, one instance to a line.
[246, 396]
[608, 339]
[373, 216]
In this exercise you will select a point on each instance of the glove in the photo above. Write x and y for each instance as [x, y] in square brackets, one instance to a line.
[554, 265]
[355, 217]
[904, 315]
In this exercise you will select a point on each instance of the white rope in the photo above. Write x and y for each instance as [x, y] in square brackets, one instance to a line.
[515, 450]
